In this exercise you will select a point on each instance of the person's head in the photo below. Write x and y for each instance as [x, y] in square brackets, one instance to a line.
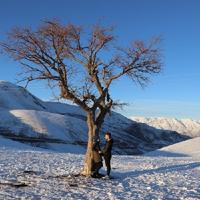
[107, 136]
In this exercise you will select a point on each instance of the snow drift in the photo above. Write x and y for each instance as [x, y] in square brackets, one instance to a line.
[187, 148]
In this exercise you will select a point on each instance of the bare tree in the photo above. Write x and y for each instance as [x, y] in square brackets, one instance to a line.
[83, 64]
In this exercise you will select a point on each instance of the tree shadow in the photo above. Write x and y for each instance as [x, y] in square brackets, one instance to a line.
[162, 153]
[166, 169]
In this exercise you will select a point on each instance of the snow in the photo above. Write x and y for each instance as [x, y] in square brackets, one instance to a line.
[49, 175]
[24, 115]
[30, 172]
[187, 148]
[41, 123]
[16, 97]
[10, 144]
[51, 124]
[183, 126]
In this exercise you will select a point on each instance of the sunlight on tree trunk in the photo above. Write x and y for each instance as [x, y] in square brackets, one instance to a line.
[88, 165]
[93, 132]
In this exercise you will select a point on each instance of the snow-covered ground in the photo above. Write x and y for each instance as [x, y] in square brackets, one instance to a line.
[49, 175]
[30, 172]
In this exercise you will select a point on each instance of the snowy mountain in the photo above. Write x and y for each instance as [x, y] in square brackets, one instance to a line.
[59, 126]
[187, 127]
[16, 97]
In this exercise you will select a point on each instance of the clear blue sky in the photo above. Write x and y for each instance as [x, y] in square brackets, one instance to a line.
[174, 93]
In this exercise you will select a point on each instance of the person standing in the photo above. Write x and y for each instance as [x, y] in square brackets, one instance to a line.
[107, 152]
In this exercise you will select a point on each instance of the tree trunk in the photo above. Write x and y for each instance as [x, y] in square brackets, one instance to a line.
[93, 130]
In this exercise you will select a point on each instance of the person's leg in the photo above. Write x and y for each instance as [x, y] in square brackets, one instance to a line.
[97, 167]
[93, 169]
[107, 162]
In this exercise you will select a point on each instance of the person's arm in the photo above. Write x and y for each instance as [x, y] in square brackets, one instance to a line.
[106, 148]
[96, 147]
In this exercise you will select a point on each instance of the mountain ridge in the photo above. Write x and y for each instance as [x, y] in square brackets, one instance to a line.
[24, 115]
[187, 127]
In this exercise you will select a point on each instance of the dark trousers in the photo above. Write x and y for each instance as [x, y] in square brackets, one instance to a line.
[108, 166]
[97, 167]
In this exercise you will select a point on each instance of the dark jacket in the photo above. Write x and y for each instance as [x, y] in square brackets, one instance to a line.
[96, 156]
[107, 150]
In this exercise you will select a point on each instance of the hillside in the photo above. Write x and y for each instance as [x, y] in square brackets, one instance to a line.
[183, 126]
[58, 126]
[187, 148]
